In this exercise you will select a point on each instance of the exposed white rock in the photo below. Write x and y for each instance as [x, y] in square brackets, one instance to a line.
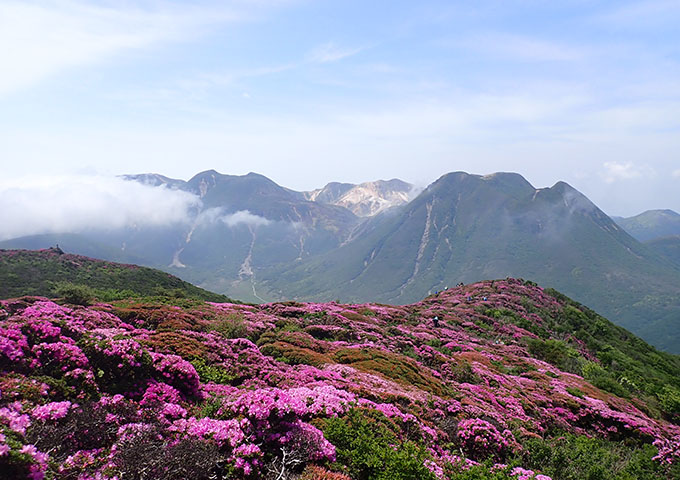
[366, 199]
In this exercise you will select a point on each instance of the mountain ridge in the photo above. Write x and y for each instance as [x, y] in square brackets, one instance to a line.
[253, 239]
[468, 227]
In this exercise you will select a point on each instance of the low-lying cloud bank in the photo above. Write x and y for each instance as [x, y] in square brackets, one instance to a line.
[213, 215]
[80, 203]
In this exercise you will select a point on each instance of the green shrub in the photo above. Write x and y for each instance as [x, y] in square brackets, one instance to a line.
[230, 326]
[574, 457]
[74, 294]
[603, 379]
[669, 398]
[369, 448]
[211, 373]
[555, 352]
[577, 392]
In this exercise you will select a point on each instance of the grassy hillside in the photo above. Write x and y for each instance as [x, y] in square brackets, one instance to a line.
[511, 381]
[43, 272]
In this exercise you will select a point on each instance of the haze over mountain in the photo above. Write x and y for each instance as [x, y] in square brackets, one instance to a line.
[252, 239]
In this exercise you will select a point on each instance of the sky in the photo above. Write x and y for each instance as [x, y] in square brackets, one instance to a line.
[309, 92]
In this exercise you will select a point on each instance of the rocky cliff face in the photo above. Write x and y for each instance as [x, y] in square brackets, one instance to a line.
[365, 199]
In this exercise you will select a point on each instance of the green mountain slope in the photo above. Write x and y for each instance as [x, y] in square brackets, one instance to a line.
[668, 247]
[464, 228]
[26, 272]
[651, 224]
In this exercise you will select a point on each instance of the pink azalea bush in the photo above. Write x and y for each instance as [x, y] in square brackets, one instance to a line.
[86, 395]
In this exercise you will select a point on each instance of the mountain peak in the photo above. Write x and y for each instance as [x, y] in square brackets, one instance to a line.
[652, 224]
[365, 199]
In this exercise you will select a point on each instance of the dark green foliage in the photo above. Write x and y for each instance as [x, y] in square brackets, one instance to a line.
[573, 457]
[575, 392]
[369, 447]
[555, 352]
[231, 326]
[74, 294]
[508, 316]
[669, 398]
[627, 365]
[462, 372]
[484, 471]
[211, 373]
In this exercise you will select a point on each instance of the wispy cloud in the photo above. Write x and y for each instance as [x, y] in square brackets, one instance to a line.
[211, 216]
[615, 171]
[330, 52]
[38, 40]
[78, 203]
[520, 47]
[244, 217]
[676, 173]
[200, 84]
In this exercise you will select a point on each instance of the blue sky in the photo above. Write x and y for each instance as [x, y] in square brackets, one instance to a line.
[307, 92]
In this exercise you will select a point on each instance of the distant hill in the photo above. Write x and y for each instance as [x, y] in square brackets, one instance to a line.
[651, 224]
[26, 272]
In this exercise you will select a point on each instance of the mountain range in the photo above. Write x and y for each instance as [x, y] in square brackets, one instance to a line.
[255, 240]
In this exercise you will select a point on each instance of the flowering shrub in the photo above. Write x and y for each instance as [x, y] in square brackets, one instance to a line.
[669, 450]
[158, 393]
[118, 363]
[59, 357]
[225, 433]
[177, 372]
[52, 411]
[480, 439]
[377, 393]
[39, 329]
[12, 416]
[13, 345]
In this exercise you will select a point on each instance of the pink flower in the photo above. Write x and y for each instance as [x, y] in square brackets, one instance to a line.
[52, 411]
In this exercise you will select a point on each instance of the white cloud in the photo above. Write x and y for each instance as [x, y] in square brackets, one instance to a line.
[241, 217]
[676, 173]
[38, 40]
[78, 203]
[330, 52]
[244, 217]
[615, 171]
